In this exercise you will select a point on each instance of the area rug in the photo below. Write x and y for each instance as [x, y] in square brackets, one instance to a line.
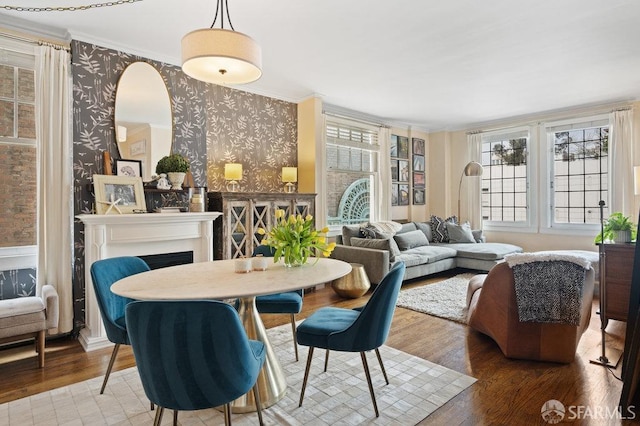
[444, 299]
[340, 396]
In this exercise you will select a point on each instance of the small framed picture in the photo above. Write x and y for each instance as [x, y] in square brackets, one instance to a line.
[418, 196]
[418, 146]
[418, 179]
[403, 171]
[118, 194]
[132, 168]
[403, 195]
[394, 170]
[394, 194]
[138, 147]
[418, 163]
[394, 146]
[403, 147]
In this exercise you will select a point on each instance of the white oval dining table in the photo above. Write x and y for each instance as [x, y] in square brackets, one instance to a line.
[218, 280]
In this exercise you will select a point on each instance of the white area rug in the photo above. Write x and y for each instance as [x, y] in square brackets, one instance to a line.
[340, 396]
[444, 299]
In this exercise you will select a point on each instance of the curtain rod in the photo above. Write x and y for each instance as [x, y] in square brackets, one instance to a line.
[359, 120]
[26, 39]
[539, 121]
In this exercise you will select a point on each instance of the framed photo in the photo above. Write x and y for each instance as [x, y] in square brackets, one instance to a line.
[418, 179]
[403, 171]
[394, 146]
[403, 147]
[138, 147]
[418, 196]
[118, 194]
[394, 170]
[418, 146]
[132, 168]
[418, 163]
[403, 195]
[394, 194]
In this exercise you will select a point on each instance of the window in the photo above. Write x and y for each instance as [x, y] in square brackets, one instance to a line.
[579, 171]
[352, 165]
[18, 162]
[505, 178]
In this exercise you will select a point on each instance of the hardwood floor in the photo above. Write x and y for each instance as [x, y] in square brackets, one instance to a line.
[507, 391]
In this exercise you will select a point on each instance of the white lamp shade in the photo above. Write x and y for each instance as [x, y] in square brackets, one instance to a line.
[636, 180]
[221, 56]
[289, 174]
[473, 168]
[233, 171]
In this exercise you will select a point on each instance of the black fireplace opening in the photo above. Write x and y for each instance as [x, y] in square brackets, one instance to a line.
[157, 261]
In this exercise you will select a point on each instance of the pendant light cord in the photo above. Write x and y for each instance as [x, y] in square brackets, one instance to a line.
[220, 6]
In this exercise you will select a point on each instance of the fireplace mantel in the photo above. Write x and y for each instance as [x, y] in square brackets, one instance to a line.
[107, 236]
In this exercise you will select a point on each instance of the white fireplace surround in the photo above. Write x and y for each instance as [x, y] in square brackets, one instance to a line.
[107, 236]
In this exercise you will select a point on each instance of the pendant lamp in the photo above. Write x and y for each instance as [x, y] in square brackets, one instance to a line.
[220, 55]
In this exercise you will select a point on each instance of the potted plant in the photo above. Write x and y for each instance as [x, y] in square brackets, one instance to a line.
[175, 166]
[617, 228]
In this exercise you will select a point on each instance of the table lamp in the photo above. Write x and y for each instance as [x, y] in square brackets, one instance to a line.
[233, 173]
[289, 176]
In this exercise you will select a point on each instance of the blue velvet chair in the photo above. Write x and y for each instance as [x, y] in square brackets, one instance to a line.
[281, 303]
[103, 274]
[193, 355]
[354, 330]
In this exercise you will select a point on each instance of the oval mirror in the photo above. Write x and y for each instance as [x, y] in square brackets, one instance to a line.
[143, 120]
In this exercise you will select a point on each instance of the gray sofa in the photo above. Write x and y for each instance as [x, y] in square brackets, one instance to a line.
[414, 245]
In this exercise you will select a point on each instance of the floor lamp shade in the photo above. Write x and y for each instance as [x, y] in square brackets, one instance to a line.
[473, 168]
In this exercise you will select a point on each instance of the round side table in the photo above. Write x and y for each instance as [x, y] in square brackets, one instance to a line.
[353, 285]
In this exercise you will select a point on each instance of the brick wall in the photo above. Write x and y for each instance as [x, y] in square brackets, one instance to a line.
[17, 195]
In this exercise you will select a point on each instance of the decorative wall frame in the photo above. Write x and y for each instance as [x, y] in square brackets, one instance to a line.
[403, 171]
[394, 170]
[403, 147]
[418, 146]
[403, 195]
[394, 194]
[118, 194]
[418, 179]
[418, 163]
[131, 168]
[418, 196]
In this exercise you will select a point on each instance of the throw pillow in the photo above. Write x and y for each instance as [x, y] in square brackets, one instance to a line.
[380, 230]
[350, 231]
[478, 235]
[379, 244]
[411, 239]
[460, 233]
[426, 228]
[439, 228]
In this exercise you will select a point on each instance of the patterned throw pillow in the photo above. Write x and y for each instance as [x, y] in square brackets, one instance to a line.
[380, 230]
[439, 228]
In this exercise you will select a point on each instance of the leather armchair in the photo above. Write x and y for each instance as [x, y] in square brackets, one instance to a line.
[493, 310]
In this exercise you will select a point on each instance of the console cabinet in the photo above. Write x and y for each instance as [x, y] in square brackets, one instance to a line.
[236, 235]
[616, 269]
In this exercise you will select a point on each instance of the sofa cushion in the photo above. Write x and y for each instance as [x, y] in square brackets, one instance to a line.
[381, 229]
[425, 254]
[460, 233]
[439, 228]
[349, 231]
[378, 243]
[484, 251]
[426, 228]
[407, 227]
[411, 239]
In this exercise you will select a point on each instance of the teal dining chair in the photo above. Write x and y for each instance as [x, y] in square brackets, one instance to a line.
[289, 302]
[112, 307]
[193, 355]
[354, 330]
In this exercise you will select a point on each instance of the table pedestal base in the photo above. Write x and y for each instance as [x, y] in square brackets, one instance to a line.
[272, 383]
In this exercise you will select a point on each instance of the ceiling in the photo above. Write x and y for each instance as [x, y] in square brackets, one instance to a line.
[430, 64]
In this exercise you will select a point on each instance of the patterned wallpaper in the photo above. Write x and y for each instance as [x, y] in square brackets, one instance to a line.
[212, 125]
[17, 283]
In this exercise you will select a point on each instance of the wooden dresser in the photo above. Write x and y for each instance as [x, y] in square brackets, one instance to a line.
[236, 235]
[615, 277]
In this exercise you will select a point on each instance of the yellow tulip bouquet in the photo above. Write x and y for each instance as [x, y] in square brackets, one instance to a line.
[295, 239]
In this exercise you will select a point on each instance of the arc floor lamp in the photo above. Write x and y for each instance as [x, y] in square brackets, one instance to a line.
[473, 168]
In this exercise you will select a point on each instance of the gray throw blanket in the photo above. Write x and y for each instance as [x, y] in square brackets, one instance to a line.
[549, 292]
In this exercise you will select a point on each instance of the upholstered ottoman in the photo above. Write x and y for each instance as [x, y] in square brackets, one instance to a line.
[30, 317]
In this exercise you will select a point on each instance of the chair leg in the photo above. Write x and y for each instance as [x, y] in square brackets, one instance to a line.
[158, 418]
[368, 374]
[293, 329]
[227, 414]
[306, 375]
[111, 361]
[175, 417]
[384, 372]
[152, 405]
[40, 348]
[326, 360]
[256, 396]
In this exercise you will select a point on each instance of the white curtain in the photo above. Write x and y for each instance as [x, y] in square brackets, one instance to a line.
[471, 186]
[384, 175]
[621, 191]
[55, 178]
